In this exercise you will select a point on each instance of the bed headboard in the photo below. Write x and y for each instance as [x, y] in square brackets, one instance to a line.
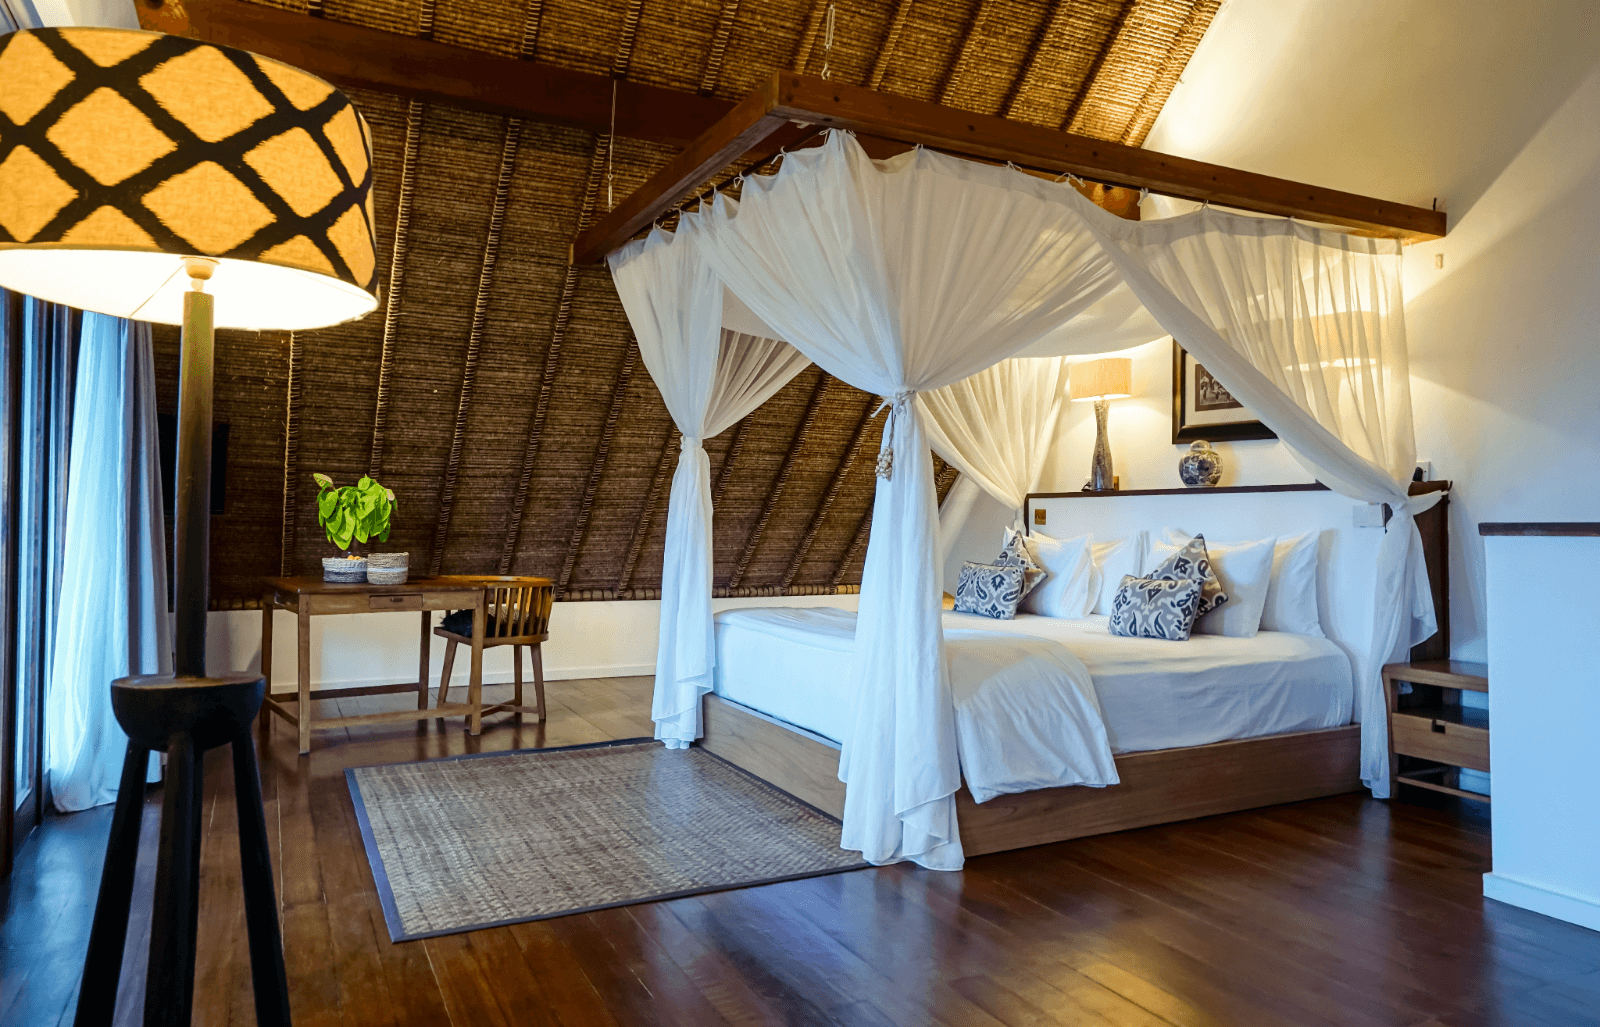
[1347, 553]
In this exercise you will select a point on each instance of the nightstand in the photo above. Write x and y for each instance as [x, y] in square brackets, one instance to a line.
[1432, 724]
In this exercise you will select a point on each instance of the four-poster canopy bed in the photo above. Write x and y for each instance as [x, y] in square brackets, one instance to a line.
[908, 276]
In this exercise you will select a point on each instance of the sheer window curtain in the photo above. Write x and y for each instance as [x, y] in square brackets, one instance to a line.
[49, 339]
[852, 263]
[995, 427]
[709, 378]
[1306, 326]
[113, 618]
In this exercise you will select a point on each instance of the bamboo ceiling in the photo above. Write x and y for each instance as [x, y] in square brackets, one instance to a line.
[498, 390]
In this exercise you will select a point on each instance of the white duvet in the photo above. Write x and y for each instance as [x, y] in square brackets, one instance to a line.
[1026, 710]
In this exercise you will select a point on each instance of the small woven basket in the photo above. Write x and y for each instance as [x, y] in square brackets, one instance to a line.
[343, 570]
[388, 568]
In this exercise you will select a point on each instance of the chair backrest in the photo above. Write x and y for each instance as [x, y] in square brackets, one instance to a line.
[519, 608]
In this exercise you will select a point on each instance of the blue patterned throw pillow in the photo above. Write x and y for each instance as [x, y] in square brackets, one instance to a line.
[989, 590]
[1015, 554]
[1188, 562]
[1155, 608]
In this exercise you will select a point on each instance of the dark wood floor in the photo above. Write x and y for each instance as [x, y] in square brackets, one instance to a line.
[1343, 912]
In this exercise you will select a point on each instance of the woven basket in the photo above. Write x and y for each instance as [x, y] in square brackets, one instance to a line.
[388, 568]
[344, 571]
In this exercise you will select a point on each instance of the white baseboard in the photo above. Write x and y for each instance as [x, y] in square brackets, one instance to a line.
[1561, 905]
[459, 678]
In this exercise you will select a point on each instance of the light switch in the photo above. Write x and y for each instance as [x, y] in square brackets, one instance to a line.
[1368, 515]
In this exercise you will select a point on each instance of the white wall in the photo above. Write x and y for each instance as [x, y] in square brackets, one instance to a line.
[586, 640]
[1544, 700]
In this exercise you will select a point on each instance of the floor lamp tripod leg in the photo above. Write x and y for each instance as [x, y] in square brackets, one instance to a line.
[102, 966]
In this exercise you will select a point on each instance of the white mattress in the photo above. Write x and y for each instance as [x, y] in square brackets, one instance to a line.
[1153, 694]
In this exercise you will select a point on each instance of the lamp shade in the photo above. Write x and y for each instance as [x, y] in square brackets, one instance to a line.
[123, 152]
[1106, 378]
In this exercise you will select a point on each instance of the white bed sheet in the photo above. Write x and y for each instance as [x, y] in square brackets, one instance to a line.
[793, 664]
[1156, 694]
[1026, 714]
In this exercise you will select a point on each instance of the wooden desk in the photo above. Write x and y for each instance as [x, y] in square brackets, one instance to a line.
[313, 597]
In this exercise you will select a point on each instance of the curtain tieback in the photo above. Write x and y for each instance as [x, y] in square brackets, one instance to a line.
[899, 406]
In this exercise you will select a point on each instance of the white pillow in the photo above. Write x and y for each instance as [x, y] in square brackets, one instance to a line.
[1292, 593]
[1065, 591]
[1245, 571]
[1112, 560]
[1292, 596]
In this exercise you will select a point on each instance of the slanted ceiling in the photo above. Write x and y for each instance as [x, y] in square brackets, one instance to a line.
[499, 392]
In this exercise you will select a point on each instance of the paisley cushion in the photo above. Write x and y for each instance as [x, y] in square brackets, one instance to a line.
[1015, 554]
[1155, 608]
[989, 590]
[1191, 561]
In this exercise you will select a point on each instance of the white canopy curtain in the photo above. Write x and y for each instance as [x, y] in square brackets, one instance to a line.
[857, 265]
[911, 275]
[709, 378]
[995, 427]
[1306, 326]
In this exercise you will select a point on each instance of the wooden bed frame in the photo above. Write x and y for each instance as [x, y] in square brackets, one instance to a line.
[1157, 787]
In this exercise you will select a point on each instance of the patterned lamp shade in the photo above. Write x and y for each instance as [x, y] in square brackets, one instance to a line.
[1106, 378]
[123, 152]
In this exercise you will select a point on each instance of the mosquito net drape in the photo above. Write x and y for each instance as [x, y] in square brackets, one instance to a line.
[709, 378]
[910, 275]
[995, 427]
[1307, 327]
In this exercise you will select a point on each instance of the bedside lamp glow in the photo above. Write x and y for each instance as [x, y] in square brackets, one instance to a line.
[1101, 380]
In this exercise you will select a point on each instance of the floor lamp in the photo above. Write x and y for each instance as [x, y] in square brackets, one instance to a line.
[163, 179]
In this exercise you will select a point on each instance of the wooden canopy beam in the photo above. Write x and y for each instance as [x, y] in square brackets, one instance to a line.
[789, 98]
[420, 69]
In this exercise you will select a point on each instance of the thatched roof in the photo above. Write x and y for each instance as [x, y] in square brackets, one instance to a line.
[498, 391]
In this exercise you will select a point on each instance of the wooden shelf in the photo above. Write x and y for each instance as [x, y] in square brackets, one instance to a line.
[1474, 677]
[1450, 734]
[1435, 786]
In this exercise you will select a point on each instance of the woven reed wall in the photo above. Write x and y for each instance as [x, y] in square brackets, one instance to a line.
[494, 363]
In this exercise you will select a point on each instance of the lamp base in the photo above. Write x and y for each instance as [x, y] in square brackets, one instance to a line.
[1100, 476]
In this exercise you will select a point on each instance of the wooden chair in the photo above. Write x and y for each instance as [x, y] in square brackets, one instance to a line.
[517, 613]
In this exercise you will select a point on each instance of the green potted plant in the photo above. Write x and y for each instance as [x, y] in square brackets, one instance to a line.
[352, 514]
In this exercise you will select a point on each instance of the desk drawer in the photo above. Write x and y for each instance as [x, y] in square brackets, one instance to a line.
[401, 601]
[1441, 739]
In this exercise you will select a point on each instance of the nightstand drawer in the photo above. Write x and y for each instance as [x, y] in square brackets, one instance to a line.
[1443, 739]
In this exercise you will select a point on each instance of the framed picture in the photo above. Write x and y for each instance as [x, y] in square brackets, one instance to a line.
[1203, 409]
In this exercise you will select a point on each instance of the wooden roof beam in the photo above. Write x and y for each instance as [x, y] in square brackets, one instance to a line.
[420, 69]
[788, 97]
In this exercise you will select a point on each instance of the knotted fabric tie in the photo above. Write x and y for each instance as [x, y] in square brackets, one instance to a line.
[899, 406]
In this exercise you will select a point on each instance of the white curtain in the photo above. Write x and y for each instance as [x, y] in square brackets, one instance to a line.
[709, 378]
[1305, 326]
[113, 621]
[900, 278]
[995, 427]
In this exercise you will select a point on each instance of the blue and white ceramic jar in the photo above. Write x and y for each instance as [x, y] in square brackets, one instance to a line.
[1201, 466]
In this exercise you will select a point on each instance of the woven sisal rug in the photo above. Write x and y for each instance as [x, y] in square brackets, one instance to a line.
[495, 838]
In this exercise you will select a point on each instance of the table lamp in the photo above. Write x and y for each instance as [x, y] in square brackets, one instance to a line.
[164, 179]
[1101, 380]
